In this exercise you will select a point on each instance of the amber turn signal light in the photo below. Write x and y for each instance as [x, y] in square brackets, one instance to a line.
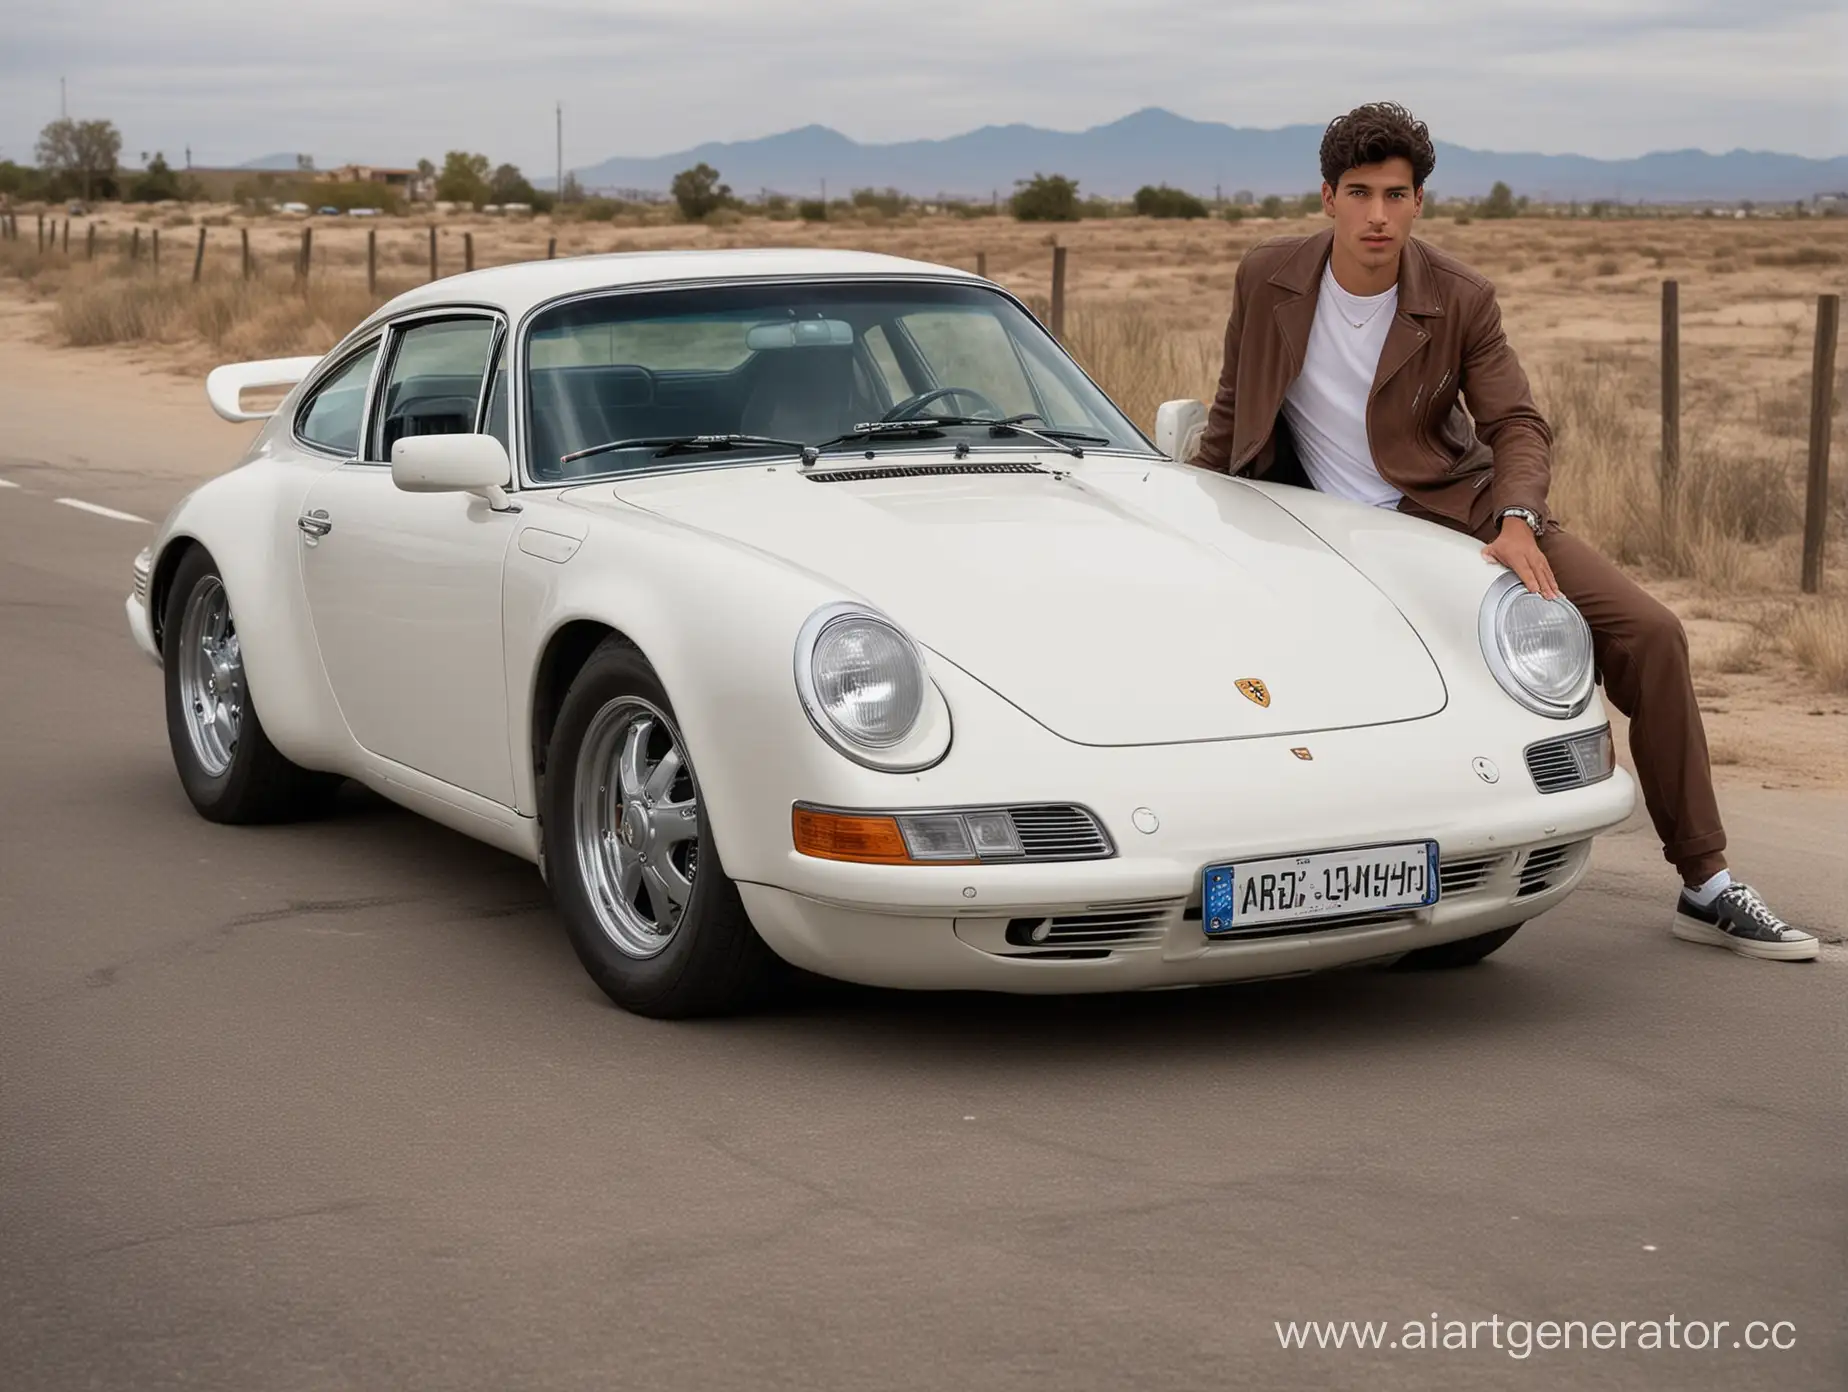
[842, 836]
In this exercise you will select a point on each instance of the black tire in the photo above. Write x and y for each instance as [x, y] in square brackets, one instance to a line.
[1465, 952]
[258, 784]
[714, 963]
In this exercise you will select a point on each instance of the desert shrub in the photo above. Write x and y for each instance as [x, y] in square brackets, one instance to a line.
[1800, 256]
[1271, 207]
[1160, 201]
[812, 210]
[890, 202]
[1609, 266]
[697, 192]
[1046, 198]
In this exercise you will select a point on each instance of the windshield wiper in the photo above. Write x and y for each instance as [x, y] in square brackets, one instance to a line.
[664, 445]
[998, 425]
[1014, 425]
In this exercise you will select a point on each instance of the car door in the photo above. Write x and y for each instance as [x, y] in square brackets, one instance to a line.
[405, 588]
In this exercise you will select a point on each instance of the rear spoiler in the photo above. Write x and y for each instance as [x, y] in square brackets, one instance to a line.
[225, 386]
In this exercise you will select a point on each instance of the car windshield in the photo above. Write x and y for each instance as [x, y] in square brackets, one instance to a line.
[612, 379]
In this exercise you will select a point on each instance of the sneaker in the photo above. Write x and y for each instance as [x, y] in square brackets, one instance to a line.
[1740, 920]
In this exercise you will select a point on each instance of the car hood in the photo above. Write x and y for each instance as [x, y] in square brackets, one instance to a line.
[1110, 611]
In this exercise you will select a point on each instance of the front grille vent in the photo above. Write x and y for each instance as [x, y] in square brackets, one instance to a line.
[1541, 867]
[1121, 925]
[1059, 832]
[1572, 762]
[1456, 877]
[896, 471]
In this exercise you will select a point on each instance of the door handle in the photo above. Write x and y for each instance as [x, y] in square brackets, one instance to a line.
[314, 524]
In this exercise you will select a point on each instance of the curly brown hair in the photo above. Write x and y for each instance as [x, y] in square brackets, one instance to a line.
[1374, 132]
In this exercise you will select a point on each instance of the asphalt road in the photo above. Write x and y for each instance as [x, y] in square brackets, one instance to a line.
[333, 1106]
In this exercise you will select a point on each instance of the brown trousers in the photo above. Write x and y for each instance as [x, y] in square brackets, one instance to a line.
[1642, 656]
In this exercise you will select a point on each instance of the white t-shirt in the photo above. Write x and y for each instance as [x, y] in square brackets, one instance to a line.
[1326, 405]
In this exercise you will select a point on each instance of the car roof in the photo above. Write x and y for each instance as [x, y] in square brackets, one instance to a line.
[517, 288]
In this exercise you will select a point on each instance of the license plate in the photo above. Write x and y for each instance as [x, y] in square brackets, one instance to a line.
[1326, 884]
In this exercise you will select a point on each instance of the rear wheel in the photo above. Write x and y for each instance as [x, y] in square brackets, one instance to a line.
[629, 851]
[226, 762]
[1465, 952]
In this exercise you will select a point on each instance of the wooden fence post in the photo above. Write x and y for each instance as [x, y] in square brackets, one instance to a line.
[1822, 407]
[1670, 474]
[433, 251]
[981, 264]
[244, 244]
[199, 258]
[134, 246]
[41, 233]
[305, 258]
[1058, 292]
[551, 249]
[372, 260]
[89, 243]
[468, 251]
[154, 237]
[67, 236]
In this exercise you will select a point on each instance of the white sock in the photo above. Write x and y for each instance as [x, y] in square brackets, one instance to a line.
[1710, 891]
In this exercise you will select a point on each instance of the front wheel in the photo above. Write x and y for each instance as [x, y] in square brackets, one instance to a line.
[229, 768]
[1465, 952]
[630, 856]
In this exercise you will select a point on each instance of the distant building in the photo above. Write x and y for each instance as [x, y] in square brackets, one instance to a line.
[405, 181]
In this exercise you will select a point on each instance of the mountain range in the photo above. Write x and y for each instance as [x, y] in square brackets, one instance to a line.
[1154, 146]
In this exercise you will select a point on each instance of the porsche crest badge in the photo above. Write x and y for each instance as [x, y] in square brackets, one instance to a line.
[1252, 689]
[1303, 754]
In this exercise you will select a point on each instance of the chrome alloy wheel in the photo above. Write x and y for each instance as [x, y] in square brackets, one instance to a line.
[637, 825]
[211, 672]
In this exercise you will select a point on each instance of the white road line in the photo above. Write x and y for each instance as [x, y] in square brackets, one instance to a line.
[101, 511]
[8, 483]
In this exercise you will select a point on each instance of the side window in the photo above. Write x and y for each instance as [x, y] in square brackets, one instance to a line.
[969, 348]
[434, 385]
[330, 416]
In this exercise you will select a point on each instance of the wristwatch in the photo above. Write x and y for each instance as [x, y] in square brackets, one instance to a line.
[1527, 515]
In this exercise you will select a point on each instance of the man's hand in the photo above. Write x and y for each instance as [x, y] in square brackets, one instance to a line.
[1519, 550]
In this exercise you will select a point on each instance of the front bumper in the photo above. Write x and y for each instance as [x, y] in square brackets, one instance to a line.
[141, 629]
[948, 927]
[1158, 940]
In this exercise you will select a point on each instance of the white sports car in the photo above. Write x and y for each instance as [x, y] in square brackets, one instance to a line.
[817, 606]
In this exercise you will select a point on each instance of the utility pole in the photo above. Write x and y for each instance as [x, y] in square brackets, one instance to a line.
[63, 111]
[558, 189]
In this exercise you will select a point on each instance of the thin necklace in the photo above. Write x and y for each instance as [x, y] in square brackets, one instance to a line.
[1361, 323]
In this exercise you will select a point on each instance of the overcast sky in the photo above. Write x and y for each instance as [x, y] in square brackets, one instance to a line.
[392, 80]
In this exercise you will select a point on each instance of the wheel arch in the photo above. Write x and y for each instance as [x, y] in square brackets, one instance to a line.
[166, 565]
[566, 651]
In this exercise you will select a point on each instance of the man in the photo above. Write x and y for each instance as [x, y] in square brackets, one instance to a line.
[1350, 358]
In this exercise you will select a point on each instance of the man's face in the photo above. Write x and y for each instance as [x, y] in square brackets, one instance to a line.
[1373, 207]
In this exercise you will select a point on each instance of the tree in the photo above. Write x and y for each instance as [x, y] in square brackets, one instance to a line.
[156, 183]
[510, 186]
[698, 191]
[1272, 206]
[85, 150]
[1160, 201]
[464, 179]
[1310, 203]
[1046, 198]
[573, 191]
[1499, 203]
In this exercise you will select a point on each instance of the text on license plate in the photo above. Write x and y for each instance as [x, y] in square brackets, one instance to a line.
[1325, 884]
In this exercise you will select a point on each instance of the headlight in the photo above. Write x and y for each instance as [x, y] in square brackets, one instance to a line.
[1539, 649]
[865, 687]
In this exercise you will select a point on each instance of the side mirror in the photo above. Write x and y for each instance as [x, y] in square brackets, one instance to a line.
[452, 464]
[1178, 425]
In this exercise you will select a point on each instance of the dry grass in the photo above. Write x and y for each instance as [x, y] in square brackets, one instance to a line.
[1816, 633]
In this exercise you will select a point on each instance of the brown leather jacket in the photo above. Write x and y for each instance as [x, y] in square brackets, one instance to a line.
[1446, 340]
